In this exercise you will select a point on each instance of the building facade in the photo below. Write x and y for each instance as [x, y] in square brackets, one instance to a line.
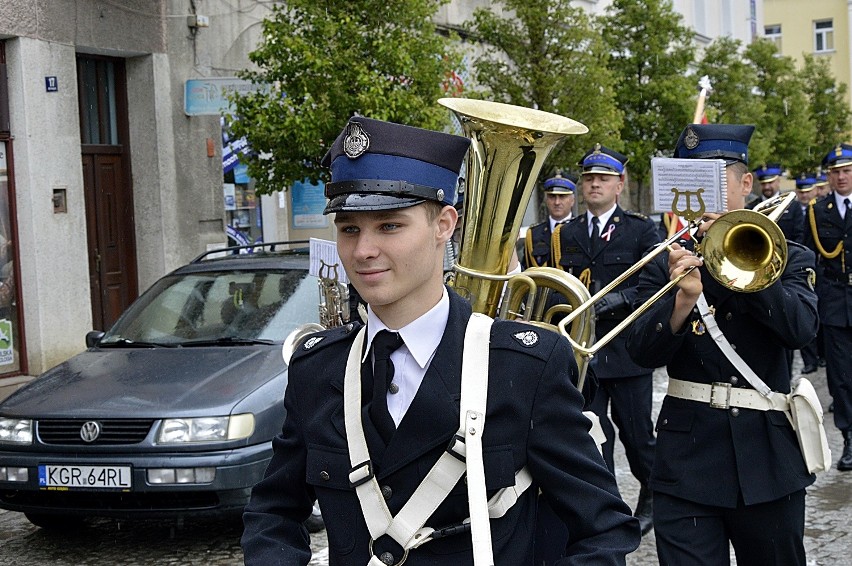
[819, 27]
[108, 177]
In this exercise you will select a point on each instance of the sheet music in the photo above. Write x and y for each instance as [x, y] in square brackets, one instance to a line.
[692, 179]
[325, 251]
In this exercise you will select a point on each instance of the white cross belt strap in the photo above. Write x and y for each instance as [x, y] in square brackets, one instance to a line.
[465, 452]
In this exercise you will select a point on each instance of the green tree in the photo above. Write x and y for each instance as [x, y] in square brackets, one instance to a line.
[651, 54]
[732, 100]
[828, 107]
[786, 122]
[547, 54]
[327, 60]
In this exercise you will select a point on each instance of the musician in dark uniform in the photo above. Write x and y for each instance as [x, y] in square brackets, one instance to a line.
[829, 234]
[597, 247]
[559, 200]
[725, 472]
[805, 193]
[791, 222]
[392, 191]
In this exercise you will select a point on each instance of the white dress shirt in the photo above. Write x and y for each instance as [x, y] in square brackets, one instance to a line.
[422, 337]
[602, 219]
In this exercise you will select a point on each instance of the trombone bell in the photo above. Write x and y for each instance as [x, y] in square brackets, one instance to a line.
[744, 250]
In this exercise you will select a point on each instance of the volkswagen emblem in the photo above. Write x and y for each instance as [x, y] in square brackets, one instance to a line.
[90, 431]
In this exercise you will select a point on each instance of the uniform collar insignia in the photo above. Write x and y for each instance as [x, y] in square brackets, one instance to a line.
[527, 338]
[357, 142]
[313, 341]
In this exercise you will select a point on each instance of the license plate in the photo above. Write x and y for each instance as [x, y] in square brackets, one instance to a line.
[83, 477]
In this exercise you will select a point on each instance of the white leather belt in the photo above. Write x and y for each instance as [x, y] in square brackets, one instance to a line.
[724, 396]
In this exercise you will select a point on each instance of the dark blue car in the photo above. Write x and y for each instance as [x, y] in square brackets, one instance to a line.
[171, 412]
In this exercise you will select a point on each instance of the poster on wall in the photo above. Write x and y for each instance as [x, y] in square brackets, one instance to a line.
[308, 204]
[9, 328]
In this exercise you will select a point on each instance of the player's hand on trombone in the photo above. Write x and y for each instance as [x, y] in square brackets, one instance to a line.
[683, 261]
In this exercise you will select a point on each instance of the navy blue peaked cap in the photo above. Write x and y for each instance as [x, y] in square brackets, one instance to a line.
[839, 156]
[378, 165]
[560, 185]
[768, 172]
[715, 141]
[603, 160]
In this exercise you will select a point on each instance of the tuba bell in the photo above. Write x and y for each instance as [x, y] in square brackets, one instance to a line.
[509, 145]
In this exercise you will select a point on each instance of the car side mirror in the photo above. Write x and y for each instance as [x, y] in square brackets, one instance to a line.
[93, 337]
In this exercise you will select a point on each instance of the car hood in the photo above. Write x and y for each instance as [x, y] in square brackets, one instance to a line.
[140, 383]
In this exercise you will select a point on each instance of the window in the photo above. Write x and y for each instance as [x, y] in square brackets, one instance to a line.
[823, 36]
[773, 34]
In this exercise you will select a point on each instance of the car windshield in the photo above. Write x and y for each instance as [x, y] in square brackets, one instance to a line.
[218, 307]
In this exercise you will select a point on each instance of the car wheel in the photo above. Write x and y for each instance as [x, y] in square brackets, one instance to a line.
[314, 523]
[53, 522]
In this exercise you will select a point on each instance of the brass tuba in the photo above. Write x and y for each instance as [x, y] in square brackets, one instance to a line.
[509, 145]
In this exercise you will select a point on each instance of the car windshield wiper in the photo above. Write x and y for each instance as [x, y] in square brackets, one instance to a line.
[128, 343]
[227, 341]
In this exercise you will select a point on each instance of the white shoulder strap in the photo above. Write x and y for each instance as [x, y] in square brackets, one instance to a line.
[407, 526]
[474, 395]
[719, 338]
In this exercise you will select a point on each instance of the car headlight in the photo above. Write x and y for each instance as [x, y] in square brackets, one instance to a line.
[206, 429]
[16, 431]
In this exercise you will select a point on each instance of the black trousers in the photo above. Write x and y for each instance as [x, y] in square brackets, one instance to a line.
[767, 534]
[838, 371]
[630, 399]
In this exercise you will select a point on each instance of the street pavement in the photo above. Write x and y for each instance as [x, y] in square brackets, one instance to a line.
[828, 540]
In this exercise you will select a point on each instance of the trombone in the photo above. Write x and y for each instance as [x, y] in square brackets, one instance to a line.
[744, 250]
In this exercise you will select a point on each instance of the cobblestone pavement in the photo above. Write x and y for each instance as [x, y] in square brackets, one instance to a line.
[828, 539]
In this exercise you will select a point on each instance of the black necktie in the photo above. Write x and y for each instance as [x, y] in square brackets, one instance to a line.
[848, 217]
[384, 343]
[596, 234]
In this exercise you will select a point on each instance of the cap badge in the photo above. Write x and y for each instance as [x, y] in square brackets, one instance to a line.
[356, 142]
[838, 151]
[690, 141]
[313, 341]
[527, 338]
[597, 148]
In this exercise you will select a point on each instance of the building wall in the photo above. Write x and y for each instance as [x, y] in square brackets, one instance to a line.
[177, 187]
[797, 31]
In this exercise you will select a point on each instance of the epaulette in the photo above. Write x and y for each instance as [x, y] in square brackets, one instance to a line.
[526, 338]
[636, 214]
[324, 338]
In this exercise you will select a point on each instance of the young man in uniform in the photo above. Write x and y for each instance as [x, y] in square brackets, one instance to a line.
[559, 200]
[728, 467]
[392, 191]
[829, 234]
[597, 247]
[791, 222]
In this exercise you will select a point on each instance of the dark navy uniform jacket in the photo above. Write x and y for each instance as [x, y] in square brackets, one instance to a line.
[709, 455]
[533, 419]
[834, 285]
[633, 234]
[791, 221]
[537, 254]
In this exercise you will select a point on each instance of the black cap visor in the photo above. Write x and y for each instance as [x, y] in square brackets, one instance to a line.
[363, 202]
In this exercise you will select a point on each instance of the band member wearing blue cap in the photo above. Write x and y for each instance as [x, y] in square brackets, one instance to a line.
[829, 233]
[559, 200]
[792, 221]
[372, 429]
[597, 247]
[728, 467]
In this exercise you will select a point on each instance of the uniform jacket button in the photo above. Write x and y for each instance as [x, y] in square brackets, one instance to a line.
[387, 492]
[387, 558]
[734, 380]
[729, 316]
[735, 412]
[393, 388]
[659, 327]
[324, 476]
